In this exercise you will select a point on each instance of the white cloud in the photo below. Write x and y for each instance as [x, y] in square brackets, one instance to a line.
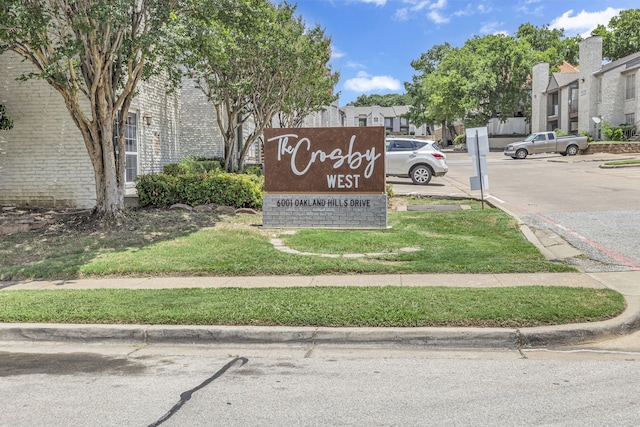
[376, 2]
[368, 83]
[491, 28]
[584, 22]
[401, 15]
[336, 53]
[354, 64]
[437, 17]
[434, 9]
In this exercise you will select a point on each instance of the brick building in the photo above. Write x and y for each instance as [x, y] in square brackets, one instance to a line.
[579, 100]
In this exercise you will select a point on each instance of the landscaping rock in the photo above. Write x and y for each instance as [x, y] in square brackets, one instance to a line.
[246, 211]
[181, 206]
[226, 209]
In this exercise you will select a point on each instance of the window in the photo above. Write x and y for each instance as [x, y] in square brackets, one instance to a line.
[130, 146]
[600, 90]
[362, 122]
[401, 145]
[404, 124]
[630, 119]
[631, 86]
[388, 123]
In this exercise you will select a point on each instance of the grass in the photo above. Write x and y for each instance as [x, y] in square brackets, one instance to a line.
[317, 306]
[623, 162]
[196, 243]
[164, 243]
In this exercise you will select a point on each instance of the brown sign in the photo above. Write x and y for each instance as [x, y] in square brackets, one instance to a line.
[324, 160]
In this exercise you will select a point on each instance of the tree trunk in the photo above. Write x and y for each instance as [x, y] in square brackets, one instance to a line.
[108, 164]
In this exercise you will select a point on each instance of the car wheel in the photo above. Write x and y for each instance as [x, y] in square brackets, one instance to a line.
[521, 153]
[421, 175]
[513, 157]
[572, 150]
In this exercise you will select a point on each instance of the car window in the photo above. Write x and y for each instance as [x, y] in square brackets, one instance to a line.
[419, 145]
[400, 145]
[550, 136]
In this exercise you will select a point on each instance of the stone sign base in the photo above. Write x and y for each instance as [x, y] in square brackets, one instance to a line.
[324, 211]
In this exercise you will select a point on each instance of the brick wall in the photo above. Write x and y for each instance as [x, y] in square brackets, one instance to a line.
[613, 148]
[43, 159]
[324, 210]
[199, 132]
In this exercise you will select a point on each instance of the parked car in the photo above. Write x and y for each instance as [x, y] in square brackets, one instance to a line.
[546, 142]
[417, 159]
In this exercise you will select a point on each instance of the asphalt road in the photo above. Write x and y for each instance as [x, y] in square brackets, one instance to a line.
[105, 385]
[596, 210]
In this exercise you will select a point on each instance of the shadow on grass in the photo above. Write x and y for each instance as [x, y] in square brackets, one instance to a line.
[67, 242]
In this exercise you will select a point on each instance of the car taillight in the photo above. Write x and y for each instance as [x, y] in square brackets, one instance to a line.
[438, 156]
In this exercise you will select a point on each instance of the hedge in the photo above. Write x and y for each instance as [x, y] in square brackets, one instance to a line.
[226, 189]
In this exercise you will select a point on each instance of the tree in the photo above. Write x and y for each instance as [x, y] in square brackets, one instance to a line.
[551, 45]
[623, 36]
[94, 53]
[388, 100]
[487, 77]
[421, 91]
[314, 89]
[498, 68]
[253, 59]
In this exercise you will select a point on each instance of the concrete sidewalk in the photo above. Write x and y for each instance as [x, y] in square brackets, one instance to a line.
[627, 283]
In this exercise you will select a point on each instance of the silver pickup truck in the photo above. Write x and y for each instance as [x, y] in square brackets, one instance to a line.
[546, 142]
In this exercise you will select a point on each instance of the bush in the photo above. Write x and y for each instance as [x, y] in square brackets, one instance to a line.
[460, 139]
[197, 189]
[254, 170]
[191, 165]
[174, 169]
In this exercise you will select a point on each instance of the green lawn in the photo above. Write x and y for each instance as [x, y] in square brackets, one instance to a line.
[388, 306]
[166, 243]
[461, 241]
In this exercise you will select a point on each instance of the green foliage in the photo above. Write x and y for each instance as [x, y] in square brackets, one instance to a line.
[487, 77]
[192, 165]
[388, 100]
[253, 59]
[389, 190]
[192, 189]
[460, 139]
[254, 170]
[5, 121]
[616, 133]
[550, 45]
[560, 132]
[621, 37]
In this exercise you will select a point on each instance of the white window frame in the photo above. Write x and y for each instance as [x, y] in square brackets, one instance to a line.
[630, 92]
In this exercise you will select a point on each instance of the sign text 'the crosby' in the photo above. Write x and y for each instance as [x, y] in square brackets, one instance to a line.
[291, 145]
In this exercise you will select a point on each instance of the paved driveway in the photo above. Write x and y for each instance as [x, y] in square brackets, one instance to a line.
[596, 210]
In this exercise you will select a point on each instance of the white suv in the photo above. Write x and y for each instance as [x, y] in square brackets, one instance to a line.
[418, 159]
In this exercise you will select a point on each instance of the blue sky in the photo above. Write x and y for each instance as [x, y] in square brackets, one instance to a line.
[374, 41]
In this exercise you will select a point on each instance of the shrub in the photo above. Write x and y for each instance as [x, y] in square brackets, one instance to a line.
[174, 169]
[254, 170]
[460, 139]
[197, 189]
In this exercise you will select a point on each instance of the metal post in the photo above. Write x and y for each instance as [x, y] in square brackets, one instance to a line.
[479, 168]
